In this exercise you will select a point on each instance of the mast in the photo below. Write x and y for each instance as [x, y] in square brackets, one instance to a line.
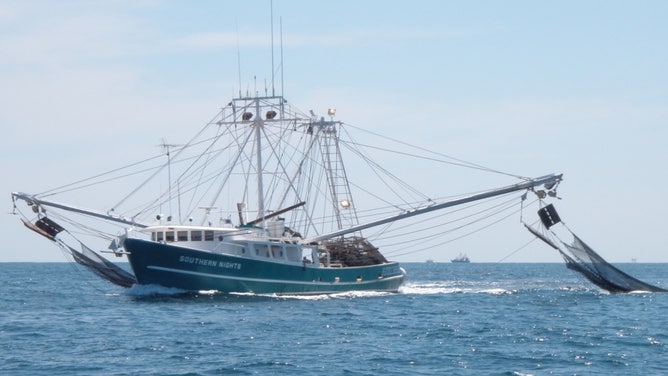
[258, 135]
[339, 187]
[329, 135]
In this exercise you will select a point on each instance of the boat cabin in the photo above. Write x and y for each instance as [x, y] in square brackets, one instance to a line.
[169, 234]
[245, 241]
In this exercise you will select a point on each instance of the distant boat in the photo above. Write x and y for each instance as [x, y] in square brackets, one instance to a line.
[461, 258]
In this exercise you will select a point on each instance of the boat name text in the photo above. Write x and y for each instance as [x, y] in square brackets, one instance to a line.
[209, 262]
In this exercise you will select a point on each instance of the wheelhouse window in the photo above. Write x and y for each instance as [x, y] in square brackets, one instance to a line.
[277, 251]
[159, 236]
[208, 235]
[182, 236]
[169, 236]
[196, 236]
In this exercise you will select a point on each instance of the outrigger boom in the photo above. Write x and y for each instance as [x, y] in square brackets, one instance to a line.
[32, 200]
[550, 181]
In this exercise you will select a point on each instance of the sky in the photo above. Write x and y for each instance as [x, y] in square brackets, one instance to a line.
[528, 87]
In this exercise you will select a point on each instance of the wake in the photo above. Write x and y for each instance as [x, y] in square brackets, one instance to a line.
[442, 287]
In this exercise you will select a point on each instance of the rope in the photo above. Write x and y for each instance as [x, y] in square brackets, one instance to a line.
[517, 250]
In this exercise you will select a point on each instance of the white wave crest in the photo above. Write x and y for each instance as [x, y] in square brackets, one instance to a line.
[338, 295]
[435, 288]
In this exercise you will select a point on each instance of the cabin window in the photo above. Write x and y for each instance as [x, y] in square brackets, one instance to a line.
[263, 250]
[169, 236]
[196, 236]
[182, 236]
[153, 236]
[208, 235]
[158, 236]
[276, 251]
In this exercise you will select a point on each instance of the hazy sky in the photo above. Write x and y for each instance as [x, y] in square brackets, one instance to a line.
[529, 87]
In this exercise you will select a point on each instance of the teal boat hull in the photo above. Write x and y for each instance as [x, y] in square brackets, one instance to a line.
[194, 270]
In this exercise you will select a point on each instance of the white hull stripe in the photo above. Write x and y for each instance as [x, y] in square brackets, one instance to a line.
[263, 280]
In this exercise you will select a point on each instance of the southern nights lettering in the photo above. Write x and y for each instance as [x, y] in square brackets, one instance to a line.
[209, 262]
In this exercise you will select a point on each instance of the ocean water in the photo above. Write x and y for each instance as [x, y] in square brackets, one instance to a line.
[448, 319]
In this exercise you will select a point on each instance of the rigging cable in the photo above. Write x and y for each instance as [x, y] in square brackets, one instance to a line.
[506, 205]
[458, 237]
[190, 142]
[460, 162]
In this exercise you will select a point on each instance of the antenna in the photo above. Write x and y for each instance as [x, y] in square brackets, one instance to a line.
[280, 22]
[166, 149]
[271, 13]
[238, 58]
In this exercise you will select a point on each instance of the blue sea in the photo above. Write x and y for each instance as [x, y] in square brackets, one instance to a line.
[448, 319]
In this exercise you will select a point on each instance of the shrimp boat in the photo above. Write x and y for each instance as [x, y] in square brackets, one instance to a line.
[258, 201]
[461, 258]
